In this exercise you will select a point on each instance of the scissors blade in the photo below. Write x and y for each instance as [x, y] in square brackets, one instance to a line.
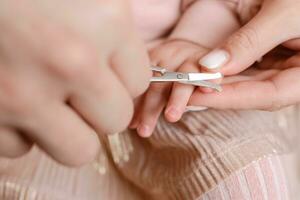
[207, 84]
[204, 76]
[171, 77]
[197, 79]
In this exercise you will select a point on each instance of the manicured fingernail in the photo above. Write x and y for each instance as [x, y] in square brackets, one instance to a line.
[144, 130]
[195, 108]
[173, 114]
[215, 59]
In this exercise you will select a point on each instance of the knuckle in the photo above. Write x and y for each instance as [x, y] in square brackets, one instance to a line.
[16, 100]
[74, 61]
[245, 39]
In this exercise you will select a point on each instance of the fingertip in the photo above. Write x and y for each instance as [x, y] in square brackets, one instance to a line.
[206, 90]
[144, 130]
[177, 102]
[86, 152]
[91, 152]
[173, 114]
[79, 157]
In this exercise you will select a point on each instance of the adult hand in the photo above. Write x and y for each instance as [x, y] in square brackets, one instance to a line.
[278, 22]
[67, 70]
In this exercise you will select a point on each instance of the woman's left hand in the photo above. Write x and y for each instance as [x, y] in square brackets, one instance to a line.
[277, 86]
[269, 85]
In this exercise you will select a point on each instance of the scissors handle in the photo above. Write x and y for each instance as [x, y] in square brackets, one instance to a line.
[158, 69]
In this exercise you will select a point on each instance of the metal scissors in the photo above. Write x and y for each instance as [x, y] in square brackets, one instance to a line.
[196, 79]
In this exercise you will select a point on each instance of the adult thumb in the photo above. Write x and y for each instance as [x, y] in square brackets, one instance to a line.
[247, 45]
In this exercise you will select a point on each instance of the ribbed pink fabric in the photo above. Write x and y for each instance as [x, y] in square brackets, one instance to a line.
[181, 161]
[263, 179]
[186, 159]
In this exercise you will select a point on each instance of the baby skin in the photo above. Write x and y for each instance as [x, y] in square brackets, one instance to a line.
[203, 25]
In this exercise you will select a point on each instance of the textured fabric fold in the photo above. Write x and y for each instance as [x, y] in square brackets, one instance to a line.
[181, 161]
[190, 157]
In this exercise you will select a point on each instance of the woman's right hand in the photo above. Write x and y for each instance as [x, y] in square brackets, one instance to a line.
[68, 70]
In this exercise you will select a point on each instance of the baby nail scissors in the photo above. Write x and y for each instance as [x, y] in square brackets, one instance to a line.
[197, 79]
